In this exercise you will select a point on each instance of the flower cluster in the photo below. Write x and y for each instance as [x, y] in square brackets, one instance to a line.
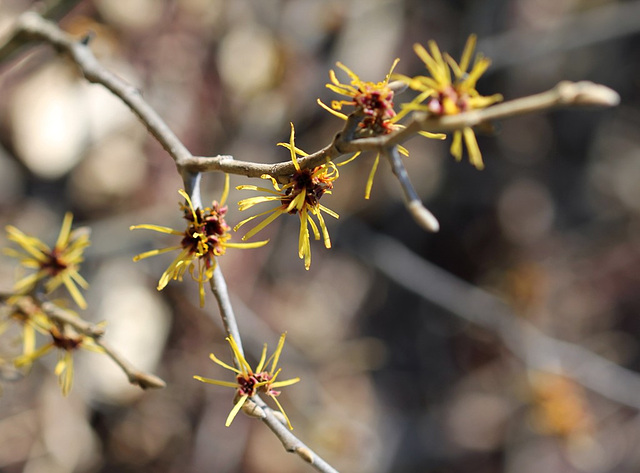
[300, 195]
[250, 382]
[444, 94]
[373, 104]
[55, 266]
[372, 100]
[205, 237]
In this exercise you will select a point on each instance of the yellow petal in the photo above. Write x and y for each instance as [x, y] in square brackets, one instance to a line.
[235, 410]
[225, 191]
[282, 411]
[332, 111]
[253, 244]
[286, 382]
[262, 359]
[65, 230]
[156, 228]
[276, 354]
[223, 364]
[475, 156]
[217, 382]
[159, 251]
[456, 145]
[372, 173]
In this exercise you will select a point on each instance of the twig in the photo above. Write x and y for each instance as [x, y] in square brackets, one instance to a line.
[219, 289]
[290, 442]
[411, 198]
[28, 305]
[565, 94]
[32, 27]
[59, 315]
[137, 377]
[52, 10]
[474, 305]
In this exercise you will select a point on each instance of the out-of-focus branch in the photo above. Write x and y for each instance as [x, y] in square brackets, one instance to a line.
[137, 377]
[32, 27]
[51, 10]
[582, 28]
[61, 316]
[478, 307]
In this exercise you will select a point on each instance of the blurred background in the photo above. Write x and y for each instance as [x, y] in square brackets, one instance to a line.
[400, 369]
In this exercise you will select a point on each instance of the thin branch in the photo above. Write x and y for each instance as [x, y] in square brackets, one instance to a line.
[478, 307]
[411, 198]
[32, 27]
[565, 94]
[51, 10]
[137, 377]
[218, 285]
[250, 169]
[29, 305]
[219, 289]
[290, 442]
[61, 316]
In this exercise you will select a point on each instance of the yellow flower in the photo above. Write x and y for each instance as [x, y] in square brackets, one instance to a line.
[301, 195]
[560, 407]
[206, 237]
[373, 101]
[66, 340]
[55, 266]
[447, 95]
[250, 382]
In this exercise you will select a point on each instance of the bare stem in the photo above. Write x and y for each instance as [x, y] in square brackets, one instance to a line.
[61, 316]
[32, 27]
[218, 285]
[219, 289]
[137, 377]
[411, 198]
[291, 443]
